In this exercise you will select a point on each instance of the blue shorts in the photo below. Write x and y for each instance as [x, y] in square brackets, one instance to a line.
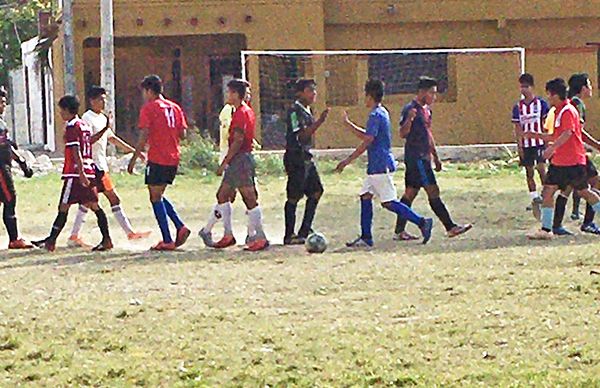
[419, 173]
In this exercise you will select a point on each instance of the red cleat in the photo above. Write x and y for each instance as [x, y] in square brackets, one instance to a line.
[182, 236]
[257, 245]
[20, 244]
[138, 236]
[226, 242]
[163, 246]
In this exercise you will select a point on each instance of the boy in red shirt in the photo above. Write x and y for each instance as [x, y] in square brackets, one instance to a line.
[78, 176]
[162, 125]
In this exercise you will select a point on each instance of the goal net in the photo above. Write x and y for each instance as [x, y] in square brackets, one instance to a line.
[477, 89]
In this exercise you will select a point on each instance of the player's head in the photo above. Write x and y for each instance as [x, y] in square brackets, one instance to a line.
[557, 91]
[526, 84]
[3, 100]
[236, 91]
[69, 107]
[152, 87]
[374, 92]
[306, 90]
[97, 98]
[427, 89]
[580, 85]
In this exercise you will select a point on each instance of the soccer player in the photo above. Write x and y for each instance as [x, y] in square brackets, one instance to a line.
[419, 150]
[162, 125]
[238, 171]
[567, 157]
[303, 177]
[8, 195]
[101, 135]
[377, 141]
[528, 115]
[78, 176]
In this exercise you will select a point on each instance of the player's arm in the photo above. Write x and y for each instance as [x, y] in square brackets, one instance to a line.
[76, 153]
[562, 139]
[121, 144]
[139, 149]
[238, 140]
[101, 133]
[590, 140]
[357, 152]
[406, 122]
[434, 153]
[357, 131]
[308, 132]
[27, 171]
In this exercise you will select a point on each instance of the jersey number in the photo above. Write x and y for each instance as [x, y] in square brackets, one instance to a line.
[86, 150]
[170, 115]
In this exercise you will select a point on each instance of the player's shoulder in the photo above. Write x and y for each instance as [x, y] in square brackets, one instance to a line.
[409, 105]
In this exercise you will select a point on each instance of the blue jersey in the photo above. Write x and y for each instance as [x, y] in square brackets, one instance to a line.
[379, 154]
[418, 141]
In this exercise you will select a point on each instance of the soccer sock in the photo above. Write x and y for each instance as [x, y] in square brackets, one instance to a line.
[366, 219]
[212, 219]
[559, 211]
[589, 214]
[405, 212]
[163, 223]
[226, 209]
[58, 225]
[122, 219]
[79, 220]
[576, 202]
[290, 218]
[596, 207]
[103, 224]
[172, 213]
[10, 220]
[401, 221]
[255, 221]
[547, 215]
[309, 216]
[533, 195]
[251, 230]
[441, 212]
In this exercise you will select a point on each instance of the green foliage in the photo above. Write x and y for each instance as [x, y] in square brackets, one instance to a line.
[269, 164]
[199, 152]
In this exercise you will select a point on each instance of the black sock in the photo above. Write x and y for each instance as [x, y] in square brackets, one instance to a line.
[576, 202]
[589, 214]
[10, 220]
[441, 212]
[290, 219]
[401, 221]
[103, 224]
[58, 225]
[559, 211]
[309, 216]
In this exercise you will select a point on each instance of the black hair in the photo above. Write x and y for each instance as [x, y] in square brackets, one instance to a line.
[304, 83]
[69, 103]
[426, 83]
[239, 86]
[375, 89]
[557, 86]
[95, 92]
[526, 79]
[577, 82]
[153, 83]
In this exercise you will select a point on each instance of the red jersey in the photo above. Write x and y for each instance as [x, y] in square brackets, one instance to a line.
[165, 123]
[78, 137]
[244, 119]
[572, 153]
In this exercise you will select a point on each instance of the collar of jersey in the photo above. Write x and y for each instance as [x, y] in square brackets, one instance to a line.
[73, 120]
[306, 109]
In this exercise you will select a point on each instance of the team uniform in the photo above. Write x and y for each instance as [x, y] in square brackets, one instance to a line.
[7, 186]
[530, 117]
[241, 171]
[417, 149]
[581, 109]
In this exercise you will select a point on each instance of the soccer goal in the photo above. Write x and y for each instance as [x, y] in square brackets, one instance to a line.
[477, 89]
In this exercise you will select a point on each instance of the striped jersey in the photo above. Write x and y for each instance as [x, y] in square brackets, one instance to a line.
[531, 116]
[78, 135]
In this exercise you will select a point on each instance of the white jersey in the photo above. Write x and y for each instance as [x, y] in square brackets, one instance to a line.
[531, 116]
[97, 123]
[225, 118]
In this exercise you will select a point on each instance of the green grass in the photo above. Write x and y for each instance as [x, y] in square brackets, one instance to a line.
[487, 309]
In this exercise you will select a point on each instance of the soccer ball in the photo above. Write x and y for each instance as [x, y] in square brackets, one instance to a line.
[316, 243]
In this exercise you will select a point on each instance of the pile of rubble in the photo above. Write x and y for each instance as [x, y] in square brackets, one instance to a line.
[43, 164]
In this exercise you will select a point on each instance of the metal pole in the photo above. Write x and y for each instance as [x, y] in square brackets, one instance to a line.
[69, 48]
[107, 54]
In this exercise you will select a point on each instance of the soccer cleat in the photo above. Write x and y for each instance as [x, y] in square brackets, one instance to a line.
[20, 244]
[182, 235]
[77, 242]
[536, 208]
[426, 229]
[561, 231]
[540, 234]
[360, 243]
[163, 246]
[590, 228]
[226, 242]
[575, 216]
[459, 229]
[404, 236]
[206, 238]
[257, 245]
[48, 245]
[103, 246]
[294, 240]
[138, 236]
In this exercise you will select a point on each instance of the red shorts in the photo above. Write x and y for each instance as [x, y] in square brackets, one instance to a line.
[73, 192]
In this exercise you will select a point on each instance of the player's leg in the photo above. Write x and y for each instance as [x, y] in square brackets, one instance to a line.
[75, 239]
[254, 212]
[557, 178]
[8, 197]
[119, 213]
[106, 243]
[365, 240]
[313, 189]
[160, 213]
[588, 225]
[183, 232]
[297, 177]
[400, 233]
[560, 209]
[224, 210]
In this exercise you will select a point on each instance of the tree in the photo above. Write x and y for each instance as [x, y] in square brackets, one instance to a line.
[18, 23]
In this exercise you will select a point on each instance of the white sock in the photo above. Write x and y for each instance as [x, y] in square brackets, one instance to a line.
[122, 219]
[213, 218]
[255, 221]
[79, 220]
[226, 211]
[251, 228]
[533, 195]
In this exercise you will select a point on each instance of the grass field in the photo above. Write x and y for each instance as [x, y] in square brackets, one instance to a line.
[488, 309]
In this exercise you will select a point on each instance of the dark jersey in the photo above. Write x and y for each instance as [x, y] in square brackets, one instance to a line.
[580, 105]
[418, 141]
[5, 144]
[299, 117]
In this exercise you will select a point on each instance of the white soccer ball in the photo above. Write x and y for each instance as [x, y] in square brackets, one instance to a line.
[316, 243]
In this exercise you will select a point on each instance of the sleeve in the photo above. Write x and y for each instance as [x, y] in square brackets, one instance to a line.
[404, 115]
[144, 120]
[545, 109]
[72, 136]
[516, 113]
[182, 120]
[237, 121]
[373, 124]
[293, 121]
[567, 122]
[581, 110]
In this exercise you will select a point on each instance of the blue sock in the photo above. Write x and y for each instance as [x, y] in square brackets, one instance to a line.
[366, 219]
[405, 212]
[173, 214]
[161, 217]
[547, 216]
[596, 207]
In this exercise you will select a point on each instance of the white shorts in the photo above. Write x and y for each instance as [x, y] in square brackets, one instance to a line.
[381, 186]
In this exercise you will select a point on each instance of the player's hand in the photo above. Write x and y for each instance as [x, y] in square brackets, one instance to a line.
[221, 170]
[548, 152]
[521, 153]
[27, 171]
[346, 118]
[324, 115]
[143, 157]
[412, 114]
[85, 182]
[438, 164]
[341, 166]
[109, 119]
[131, 165]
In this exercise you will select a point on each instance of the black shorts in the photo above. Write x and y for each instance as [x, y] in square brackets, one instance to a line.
[159, 175]
[563, 177]
[419, 173]
[7, 186]
[532, 156]
[590, 169]
[303, 177]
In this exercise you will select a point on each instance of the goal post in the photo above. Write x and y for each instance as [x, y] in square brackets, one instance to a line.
[478, 87]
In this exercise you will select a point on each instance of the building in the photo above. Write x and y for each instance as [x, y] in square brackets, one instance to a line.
[195, 47]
